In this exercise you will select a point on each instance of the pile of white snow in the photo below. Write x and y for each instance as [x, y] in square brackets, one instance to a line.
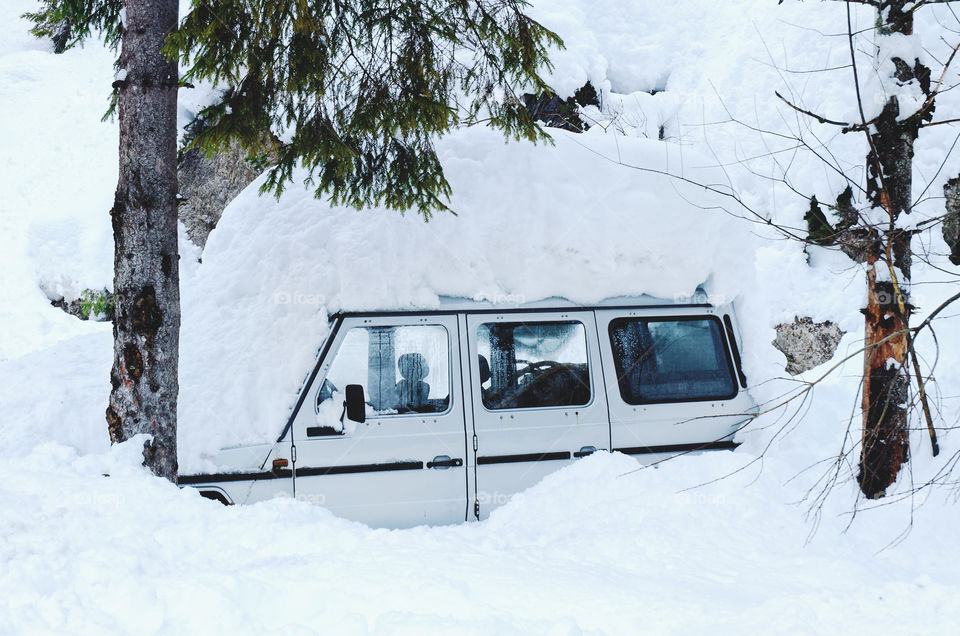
[592, 549]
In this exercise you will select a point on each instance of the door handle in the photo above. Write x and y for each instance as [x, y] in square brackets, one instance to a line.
[324, 431]
[444, 461]
[586, 450]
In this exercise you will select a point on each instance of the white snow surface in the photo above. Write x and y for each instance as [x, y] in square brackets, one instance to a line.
[57, 183]
[596, 548]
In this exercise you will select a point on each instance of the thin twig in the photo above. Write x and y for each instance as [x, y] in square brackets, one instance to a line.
[819, 118]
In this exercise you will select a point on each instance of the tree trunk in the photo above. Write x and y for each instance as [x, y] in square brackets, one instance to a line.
[146, 324]
[885, 442]
[885, 445]
[951, 223]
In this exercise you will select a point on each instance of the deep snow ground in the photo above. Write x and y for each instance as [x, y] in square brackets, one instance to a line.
[597, 548]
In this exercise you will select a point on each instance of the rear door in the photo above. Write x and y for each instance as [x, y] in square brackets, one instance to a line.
[537, 398]
[672, 380]
[405, 465]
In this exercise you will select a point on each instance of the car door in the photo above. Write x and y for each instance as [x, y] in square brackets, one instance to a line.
[673, 384]
[537, 398]
[404, 465]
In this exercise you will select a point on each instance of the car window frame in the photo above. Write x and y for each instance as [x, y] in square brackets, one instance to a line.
[367, 324]
[734, 380]
[508, 318]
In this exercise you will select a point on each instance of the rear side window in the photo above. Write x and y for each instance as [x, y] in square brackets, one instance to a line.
[533, 364]
[402, 369]
[676, 360]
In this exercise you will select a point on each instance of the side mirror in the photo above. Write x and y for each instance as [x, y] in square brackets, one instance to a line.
[355, 403]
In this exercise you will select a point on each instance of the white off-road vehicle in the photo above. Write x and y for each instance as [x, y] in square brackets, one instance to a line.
[431, 417]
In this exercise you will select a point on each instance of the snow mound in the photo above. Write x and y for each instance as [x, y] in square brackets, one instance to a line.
[57, 393]
[598, 547]
[531, 222]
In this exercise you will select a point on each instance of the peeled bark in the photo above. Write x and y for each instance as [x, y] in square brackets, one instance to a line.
[146, 323]
[884, 443]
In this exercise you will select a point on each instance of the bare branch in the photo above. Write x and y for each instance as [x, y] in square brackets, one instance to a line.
[943, 121]
[819, 118]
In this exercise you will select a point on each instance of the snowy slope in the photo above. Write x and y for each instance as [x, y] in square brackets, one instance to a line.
[595, 548]
[57, 183]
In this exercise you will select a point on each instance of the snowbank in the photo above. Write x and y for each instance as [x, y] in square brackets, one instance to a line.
[595, 548]
[57, 183]
[57, 393]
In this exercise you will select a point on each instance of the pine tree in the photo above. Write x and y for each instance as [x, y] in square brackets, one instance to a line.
[357, 92]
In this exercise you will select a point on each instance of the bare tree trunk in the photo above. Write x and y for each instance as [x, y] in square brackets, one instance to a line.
[885, 443]
[951, 224]
[146, 324]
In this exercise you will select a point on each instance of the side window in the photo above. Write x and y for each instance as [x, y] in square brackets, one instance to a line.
[531, 365]
[403, 369]
[671, 360]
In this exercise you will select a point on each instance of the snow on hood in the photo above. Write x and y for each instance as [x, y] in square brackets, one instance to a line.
[532, 221]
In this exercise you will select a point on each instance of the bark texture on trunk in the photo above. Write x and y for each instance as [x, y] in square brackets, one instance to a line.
[146, 323]
[951, 224]
[885, 446]
[885, 441]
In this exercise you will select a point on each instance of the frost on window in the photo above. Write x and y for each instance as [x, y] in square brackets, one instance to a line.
[671, 360]
[401, 369]
[533, 364]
